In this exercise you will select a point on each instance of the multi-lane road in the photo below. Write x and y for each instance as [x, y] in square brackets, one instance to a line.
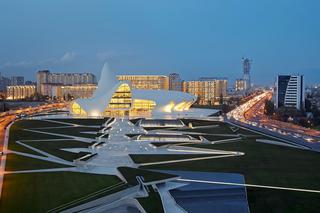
[251, 115]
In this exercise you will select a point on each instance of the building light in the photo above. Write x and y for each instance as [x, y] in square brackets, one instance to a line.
[168, 107]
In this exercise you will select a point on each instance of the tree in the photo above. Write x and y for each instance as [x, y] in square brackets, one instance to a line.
[269, 108]
[308, 105]
[221, 99]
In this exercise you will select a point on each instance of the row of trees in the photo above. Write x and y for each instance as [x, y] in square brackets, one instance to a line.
[308, 117]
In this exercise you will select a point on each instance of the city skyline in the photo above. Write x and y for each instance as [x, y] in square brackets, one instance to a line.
[208, 38]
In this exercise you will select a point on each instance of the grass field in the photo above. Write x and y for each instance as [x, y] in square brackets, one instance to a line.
[54, 148]
[89, 122]
[152, 204]
[74, 131]
[17, 162]
[40, 192]
[17, 132]
[270, 200]
[264, 164]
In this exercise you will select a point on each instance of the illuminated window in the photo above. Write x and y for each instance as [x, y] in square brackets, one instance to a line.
[121, 98]
[76, 109]
[139, 104]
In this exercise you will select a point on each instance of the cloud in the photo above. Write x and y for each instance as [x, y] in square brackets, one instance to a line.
[67, 57]
[112, 55]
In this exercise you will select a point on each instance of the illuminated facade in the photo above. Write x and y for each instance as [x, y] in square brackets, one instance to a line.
[20, 91]
[153, 82]
[208, 90]
[77, 91]
[45, 78]
[120, 98]
[63, 92]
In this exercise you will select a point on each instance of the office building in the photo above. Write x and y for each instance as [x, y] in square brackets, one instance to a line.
[208, 90]
[147, 82]
[246, 64]
[240, 85]
[290, 91]
[18, 92]
[17, 80]
[45, 77]
[175, 82]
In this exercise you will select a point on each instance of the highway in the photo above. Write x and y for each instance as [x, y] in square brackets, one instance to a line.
[251, 115]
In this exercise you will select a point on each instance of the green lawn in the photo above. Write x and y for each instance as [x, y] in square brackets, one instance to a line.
[263, 164]
[40, 192]
[54, 148]
[17, 132]
[73, 131]
[30, 124]
[17, 162]
[270, 200]
[87, 122]
[152, 204]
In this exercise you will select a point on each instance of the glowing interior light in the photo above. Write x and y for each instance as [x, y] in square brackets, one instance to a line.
[77, 110]
[168, 107]
[94, 113]
[180, 107]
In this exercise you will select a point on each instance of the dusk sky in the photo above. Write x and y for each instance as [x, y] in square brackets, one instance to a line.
[194, 38]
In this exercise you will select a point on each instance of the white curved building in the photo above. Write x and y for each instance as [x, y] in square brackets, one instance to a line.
[115, 98]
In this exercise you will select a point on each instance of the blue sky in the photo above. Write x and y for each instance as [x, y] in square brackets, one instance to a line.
[194, 38]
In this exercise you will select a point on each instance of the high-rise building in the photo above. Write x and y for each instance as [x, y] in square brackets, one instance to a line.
[152, 82]
[290, 91]
[240, 85]
[45, 78]
[17, 80]
[208, 90]
[175, 82]
[246, 64]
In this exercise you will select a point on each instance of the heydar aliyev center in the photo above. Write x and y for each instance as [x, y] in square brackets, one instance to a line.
[118, 98]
